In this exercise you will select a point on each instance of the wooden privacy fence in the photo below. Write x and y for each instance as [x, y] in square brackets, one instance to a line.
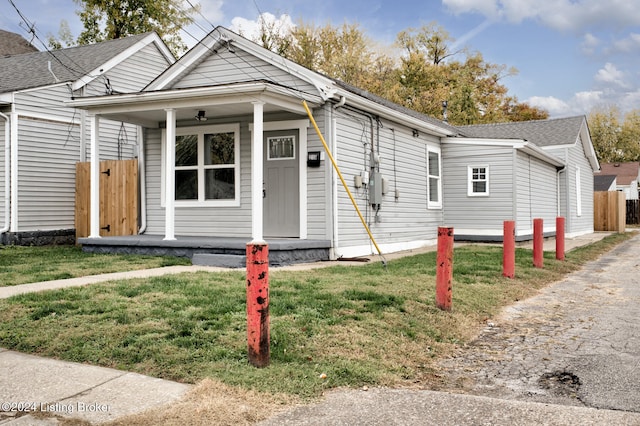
[633, 212]
[118, 198]
[609, 211]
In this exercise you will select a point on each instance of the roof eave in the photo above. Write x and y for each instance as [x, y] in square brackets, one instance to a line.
[392, 114]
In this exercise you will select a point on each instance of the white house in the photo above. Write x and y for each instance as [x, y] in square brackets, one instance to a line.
[41, 138]
[232, 156]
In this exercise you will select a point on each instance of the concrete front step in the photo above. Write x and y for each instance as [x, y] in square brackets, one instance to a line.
[219, 260]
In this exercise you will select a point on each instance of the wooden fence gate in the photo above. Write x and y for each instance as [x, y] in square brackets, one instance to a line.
[609, 211]
[118, 198]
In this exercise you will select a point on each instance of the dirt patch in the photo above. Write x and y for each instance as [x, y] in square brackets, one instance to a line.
[212, 402]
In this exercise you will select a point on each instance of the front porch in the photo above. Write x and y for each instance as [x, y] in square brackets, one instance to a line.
[210, 251]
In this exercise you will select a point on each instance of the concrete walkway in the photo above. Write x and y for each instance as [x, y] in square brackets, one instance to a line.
[62, 390]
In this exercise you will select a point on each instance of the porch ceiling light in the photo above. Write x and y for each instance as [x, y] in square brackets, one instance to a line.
[200, 116]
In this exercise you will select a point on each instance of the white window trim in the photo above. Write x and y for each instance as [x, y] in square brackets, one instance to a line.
[578, 193]
[200, 131]
[470, 181]
[281, 158]
[434, 204]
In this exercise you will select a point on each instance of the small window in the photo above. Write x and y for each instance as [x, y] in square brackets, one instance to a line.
[434, 183]
[281, 148]
[478, 181]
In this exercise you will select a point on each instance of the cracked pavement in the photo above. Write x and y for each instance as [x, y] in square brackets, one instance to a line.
[576, 343]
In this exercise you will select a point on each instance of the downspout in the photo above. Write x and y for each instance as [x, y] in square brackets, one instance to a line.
[563, 169]
[142, 179]
[7, 174]
[335, 235]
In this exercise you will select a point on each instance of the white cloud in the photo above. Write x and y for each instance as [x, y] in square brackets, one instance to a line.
[610, 75]
[627, 45]
[212, 10]
[565, 15]
[555, 106]
[251, 28]
[590, 44]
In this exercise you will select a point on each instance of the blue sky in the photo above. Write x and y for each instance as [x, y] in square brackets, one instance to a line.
[572, 55]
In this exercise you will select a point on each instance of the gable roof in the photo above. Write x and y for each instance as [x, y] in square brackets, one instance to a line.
[30, 70]
[546, 134]
[14, 44]
[626, 173]
[327, 88]
[543, 133]
[603, 182]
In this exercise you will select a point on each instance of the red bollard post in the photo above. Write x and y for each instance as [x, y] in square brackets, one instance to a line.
[538, 241]
[444, 269]
[258, 304]
[509, 249]
[560, 238]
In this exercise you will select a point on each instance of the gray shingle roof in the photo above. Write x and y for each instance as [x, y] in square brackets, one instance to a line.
[14, 44]
[559, 131]
[30, 70]
[382, 101]
[603, 182]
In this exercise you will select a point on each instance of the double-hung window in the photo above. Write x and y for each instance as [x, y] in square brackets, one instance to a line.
[478, 181]
[434, 181]
[207, 166]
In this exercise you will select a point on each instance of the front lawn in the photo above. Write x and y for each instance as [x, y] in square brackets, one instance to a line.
[22, 265]
[339, 326]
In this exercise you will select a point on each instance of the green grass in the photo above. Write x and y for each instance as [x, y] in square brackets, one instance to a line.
[358, 325]
[21, 265]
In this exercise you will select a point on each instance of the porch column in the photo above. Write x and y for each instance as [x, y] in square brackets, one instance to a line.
[257, 179]
[170, 190]
[94, 219]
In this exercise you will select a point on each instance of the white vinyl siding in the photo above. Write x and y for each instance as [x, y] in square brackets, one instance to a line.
[577, 162]
[318, 182]
[131, 75]
[47, 156]
[403, 220]
[536, 189]
[225, 67]
[578, 193]
[477, 215]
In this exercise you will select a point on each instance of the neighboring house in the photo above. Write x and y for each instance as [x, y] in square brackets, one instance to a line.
[231, 153]
[519, 171]
[627, 177]
[42, 139]
[604, 183]
[14, 44]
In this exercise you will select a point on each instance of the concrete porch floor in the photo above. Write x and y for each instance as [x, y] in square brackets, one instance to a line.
[210, 251]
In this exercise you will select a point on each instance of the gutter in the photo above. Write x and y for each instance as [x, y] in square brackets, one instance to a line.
[7, 173]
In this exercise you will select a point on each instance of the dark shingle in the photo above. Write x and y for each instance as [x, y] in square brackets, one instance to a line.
[14, 44]
[559, 131]
[31, 70]
[603, 182]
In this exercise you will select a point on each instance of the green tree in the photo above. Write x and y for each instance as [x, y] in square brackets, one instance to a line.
[424, 74]
[64, 38]
[616, 138]
[112, 19]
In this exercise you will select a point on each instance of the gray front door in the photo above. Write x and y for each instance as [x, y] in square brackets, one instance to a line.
[281, 184]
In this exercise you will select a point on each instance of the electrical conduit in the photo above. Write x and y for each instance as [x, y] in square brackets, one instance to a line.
[344, 184]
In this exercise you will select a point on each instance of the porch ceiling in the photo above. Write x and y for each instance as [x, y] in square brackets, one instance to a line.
[149, 108]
